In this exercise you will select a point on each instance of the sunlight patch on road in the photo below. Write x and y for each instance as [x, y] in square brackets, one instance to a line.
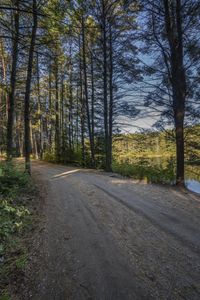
[66, 173]
[129, 181]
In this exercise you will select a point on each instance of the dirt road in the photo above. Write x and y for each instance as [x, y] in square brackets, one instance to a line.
[108, 238]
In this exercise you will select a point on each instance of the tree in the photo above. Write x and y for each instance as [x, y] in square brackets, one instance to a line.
[11, 98]
[169, 22]
[27, 146]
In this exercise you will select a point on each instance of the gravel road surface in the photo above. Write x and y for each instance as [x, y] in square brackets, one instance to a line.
[109, 238]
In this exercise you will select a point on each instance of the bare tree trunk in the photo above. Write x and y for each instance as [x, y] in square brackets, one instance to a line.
[105, 93]
[77, 117]
[50, 108]
[57, 129]
[28, 90]
[173, 25]
[11, 99]
[70, 105]
[92, 102]
[86, 95]
[82, 115]
[111, 100]
[33, 142]
[62, 117]
[21, 144]
[3, 97]
[19, 132]
[40, 152]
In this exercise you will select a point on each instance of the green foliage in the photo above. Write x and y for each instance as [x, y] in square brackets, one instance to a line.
[145, 156]
[126, 147]
[49, 156]
[5, 296]
[71, 156]
[11, 180]
[151, 173]
[15, 219]
[148, 144]
[67, 156]
[192, 144]
[12, 218]
[21, 261]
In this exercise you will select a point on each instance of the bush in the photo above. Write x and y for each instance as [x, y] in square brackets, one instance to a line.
[49, 156]
[68, 156]
[11, 179]
[15, 220]
[12, 214]
[12, 218]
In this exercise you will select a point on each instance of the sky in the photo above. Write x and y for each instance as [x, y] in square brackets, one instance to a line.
[129, 125]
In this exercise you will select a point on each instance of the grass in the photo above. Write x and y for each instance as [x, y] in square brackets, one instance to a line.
[16, 188]
[150, 173]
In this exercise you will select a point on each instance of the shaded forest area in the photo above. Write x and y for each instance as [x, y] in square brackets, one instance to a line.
[70, 71]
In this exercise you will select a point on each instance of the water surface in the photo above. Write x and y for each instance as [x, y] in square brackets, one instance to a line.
[193, 185]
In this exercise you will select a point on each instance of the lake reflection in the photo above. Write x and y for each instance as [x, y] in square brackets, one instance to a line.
[192, 175]
[193, 185]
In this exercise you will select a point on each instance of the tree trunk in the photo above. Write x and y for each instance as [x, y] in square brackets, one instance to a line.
[77, 117]
[50, 111]
[3, 97]
[57, 129]
[173, 25]
[62, 118]
[40, 152]
[86, 95]
[82, 114]
[70, 105]
[92, 101]
[111, 100]
[11, 98]
[28, 90]
[179, 119]
[105, 93]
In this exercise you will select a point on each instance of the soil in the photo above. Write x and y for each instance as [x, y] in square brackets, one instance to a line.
[108, 238]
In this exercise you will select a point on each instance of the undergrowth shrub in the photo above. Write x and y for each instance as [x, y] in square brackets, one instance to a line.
[68, 156]
[12, 179]
[15, 219]
[49, 156]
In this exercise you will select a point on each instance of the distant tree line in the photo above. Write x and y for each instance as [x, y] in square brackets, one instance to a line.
[156, 144]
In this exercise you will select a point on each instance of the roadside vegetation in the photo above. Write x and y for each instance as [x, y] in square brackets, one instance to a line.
[17, 193]
[147, 172]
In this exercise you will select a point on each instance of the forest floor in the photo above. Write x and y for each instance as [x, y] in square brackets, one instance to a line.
[105, 237]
